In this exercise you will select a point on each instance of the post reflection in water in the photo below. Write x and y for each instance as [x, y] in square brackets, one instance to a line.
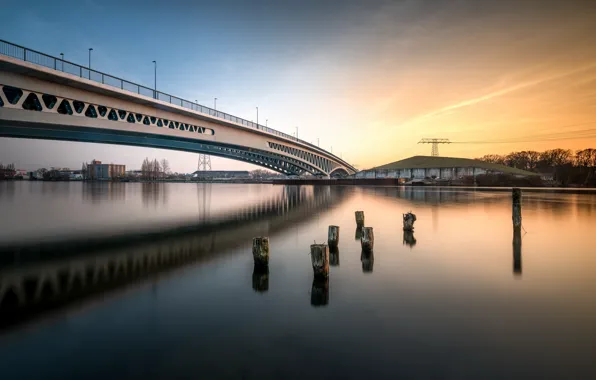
[334, 256]
[517, 252]
[409, 239]
[37, 278]
[319, 293]
[368, 260]
[358, 233]
[260, 279]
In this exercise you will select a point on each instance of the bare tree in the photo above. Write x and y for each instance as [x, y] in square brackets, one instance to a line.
[165, 167]
[155, 169]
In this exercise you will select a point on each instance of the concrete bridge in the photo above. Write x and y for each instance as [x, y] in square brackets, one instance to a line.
[38, 277]
[45, 97]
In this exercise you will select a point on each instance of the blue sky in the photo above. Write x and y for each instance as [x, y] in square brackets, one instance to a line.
[369, 78]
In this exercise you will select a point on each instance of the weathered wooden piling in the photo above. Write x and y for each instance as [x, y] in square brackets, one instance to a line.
[319, 256]
[409, 220]
[260, 251]
[360, 218]
[368, 260]
[516, 195]
[333, 236]
[367, 241]
[334, 256]
[260, 279]
[319, 293]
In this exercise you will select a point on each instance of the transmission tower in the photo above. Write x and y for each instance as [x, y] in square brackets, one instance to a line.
[435, 144]
[204, 162]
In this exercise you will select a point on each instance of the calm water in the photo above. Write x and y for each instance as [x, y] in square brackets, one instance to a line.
[451, 301]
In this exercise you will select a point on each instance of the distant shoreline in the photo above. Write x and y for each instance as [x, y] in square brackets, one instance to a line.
[385, 182]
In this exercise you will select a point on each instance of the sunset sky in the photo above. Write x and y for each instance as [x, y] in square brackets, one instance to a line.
[369, 78]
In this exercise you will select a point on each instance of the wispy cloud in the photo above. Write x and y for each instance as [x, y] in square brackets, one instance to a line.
[499, 93]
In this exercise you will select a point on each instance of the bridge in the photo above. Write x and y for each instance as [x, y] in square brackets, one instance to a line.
[45, 97]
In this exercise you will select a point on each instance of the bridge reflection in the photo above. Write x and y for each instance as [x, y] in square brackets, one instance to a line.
[37, 278]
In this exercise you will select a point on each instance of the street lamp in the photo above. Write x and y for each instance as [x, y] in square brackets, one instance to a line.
[257, 117]
[267, 122]
[215, 104]
[155, 79]
[62, 58]
[296, 133]
[90, 50]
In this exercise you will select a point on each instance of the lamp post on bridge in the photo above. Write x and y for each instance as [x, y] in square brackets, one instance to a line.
[62, 58]
[267, 122]
[296, 133]
[90, 50]
[215, 104]
[257, 117]
[155, 79]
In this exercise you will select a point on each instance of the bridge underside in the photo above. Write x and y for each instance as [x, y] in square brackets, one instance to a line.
[276, 162]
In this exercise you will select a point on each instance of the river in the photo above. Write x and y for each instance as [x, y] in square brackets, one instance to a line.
[457, 299]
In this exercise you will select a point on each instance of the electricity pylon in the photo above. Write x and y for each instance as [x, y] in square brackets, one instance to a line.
[435, 144]
[204, 162]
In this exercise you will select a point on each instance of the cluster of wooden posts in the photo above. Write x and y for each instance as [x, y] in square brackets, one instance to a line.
[320, 253]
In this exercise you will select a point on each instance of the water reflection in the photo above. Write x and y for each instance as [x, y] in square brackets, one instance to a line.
[358, 233]
[260, 279]
[94, 192]
[154, 194]
[334, 256]
[368, 260]
[517, 252]
[319, 293]
[36, 278]
[409, 239]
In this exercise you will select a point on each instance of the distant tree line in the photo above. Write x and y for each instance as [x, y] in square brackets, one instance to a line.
[7, 171]
[263, 174]
[564, 165]
[154, 170]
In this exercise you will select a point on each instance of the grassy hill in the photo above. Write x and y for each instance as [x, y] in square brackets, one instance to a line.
[427, 162]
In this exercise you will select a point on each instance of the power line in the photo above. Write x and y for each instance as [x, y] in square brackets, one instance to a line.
[553, 136]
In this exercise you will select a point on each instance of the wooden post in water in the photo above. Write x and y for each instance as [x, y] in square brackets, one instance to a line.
[409, 220]
[333, 236]
[260, 251]
[319, 256]
[360, 218]
[516, 195]
[367, 241]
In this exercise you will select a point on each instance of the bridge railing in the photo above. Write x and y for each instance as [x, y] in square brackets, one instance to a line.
[28, 55]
